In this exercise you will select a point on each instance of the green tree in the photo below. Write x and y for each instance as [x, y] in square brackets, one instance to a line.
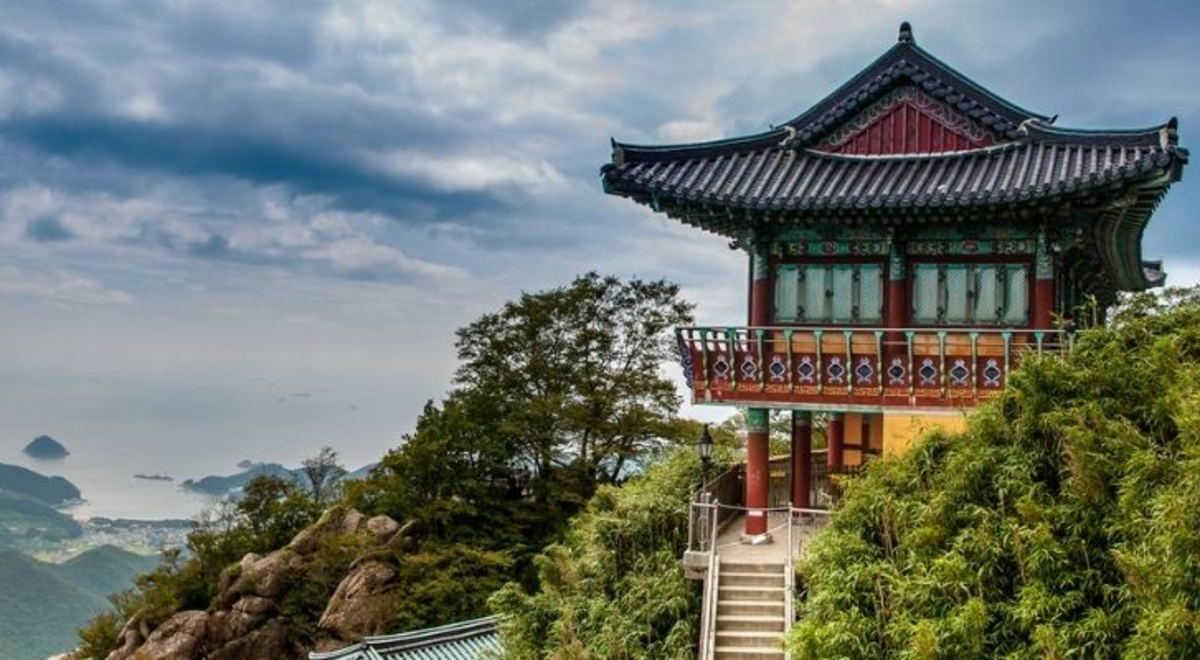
[322, 472]
[274, 509]
[614, 587]
[575, 374]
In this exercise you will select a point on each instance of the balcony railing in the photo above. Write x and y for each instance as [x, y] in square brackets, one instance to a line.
[855, 366]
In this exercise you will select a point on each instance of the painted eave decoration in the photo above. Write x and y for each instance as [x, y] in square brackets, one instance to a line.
[911, 140]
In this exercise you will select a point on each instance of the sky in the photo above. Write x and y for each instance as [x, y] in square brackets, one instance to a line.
[251, 228]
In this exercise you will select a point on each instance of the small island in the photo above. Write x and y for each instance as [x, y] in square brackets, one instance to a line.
[153, 477]
[45, 447]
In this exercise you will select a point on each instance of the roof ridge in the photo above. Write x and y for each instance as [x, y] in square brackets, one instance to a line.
[933, 155]
[414, 639]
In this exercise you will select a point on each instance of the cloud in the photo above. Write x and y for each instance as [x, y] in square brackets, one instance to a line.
[59, 286]
[48, 230]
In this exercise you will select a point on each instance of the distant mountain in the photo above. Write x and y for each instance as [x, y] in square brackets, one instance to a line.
[360, 473]
[106, 569]
[44, 446]
[51, 490]
[41, 604]
[220, 486]
[23, 518]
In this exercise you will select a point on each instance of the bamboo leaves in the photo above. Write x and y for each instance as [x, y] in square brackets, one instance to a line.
[1064, 523]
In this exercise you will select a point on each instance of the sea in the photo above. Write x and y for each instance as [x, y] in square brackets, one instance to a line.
[189, 432]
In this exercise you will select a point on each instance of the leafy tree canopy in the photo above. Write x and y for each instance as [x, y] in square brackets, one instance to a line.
[1061, 524]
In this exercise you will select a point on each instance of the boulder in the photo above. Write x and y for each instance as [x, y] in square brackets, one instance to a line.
[268, 577]
[334, 521]
[178, 638]
[273, 641]
[362, 603]
[382, 528]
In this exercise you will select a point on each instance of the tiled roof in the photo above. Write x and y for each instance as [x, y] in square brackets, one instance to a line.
[1017, 165]
[468, 640]
[805, 181]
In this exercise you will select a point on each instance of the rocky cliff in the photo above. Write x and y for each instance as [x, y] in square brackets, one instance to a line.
[252, 616]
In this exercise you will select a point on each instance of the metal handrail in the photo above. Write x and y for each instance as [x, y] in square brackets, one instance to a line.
[708, 614]
[789, 578]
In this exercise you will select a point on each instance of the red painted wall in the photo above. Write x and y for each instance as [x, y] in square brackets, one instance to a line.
[905, 129]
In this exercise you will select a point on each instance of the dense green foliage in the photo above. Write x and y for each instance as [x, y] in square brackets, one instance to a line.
[558, 393]
[51, 490]
[1061, 524]
[614, 587]
[41, 603]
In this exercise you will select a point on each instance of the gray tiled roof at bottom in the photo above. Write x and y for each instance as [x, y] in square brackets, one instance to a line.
[782, 179]
[468, 640]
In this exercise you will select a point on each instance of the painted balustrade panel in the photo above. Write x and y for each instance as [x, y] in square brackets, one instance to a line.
[876, 367]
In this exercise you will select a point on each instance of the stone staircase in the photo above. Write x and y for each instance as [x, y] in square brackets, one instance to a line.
[750, 611]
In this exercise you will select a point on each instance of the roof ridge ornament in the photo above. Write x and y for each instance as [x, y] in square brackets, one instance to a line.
[906, 34]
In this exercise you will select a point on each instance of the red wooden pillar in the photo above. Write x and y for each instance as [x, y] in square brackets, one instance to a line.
[801, 458]
[896, 314]
[1043, 286]
[757, 470]
[757, 419]
[835, 440]
[761, 291]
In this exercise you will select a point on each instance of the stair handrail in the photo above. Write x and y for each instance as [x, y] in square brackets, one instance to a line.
[708, 613]
[789, 570]
[789, 578]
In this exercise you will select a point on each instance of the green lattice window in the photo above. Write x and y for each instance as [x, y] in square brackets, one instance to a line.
[970, 294]
[829, 293]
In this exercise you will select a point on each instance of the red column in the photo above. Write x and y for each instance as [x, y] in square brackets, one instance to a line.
[761, 293]
[757, 471]
[801, 458]
[1043, 286]
[834, 441]
[865, 438]
[896, 314]
[1043, 304]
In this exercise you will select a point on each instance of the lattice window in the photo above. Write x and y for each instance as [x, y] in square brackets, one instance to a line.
[927, 299]
[787, 292]
[966, 294]
[870, 293]
[842, 298]
[829, 293]
[956, 293]
[989, 307]
[1016, 294]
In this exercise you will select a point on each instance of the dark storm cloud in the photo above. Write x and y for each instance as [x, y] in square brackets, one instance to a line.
[192, 151]
[48, 230]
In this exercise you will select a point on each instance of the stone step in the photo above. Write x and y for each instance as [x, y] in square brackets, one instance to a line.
[751, 580]
[746, 653]
[734, 607]
[751, 567]
[748, 639]
[750, 593]
[762, 623]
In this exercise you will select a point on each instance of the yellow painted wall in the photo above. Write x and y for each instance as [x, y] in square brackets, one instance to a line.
[901, 428]
[851, 433]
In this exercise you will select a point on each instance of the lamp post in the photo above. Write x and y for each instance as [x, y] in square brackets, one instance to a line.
[704, 447]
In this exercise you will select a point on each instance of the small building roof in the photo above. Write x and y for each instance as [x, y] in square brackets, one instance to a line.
[469, 640]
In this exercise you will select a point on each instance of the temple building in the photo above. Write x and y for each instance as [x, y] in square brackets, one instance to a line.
[909, 238]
